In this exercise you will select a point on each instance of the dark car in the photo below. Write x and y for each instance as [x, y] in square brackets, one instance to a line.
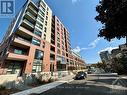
[81, 75]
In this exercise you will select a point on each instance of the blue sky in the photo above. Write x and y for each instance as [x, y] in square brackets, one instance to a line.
[78, 16]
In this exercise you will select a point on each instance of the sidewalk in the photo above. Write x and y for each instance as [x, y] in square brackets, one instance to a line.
[46, 87]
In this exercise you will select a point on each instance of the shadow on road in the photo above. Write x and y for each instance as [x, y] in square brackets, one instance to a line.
[83, 88]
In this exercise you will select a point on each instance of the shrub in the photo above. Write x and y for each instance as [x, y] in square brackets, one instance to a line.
[2, 87]
[51, 80]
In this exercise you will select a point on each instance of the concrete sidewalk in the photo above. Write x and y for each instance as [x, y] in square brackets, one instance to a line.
[43, 88]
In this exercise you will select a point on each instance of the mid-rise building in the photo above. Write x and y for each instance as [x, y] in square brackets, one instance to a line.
[105, 57]
[36, 41]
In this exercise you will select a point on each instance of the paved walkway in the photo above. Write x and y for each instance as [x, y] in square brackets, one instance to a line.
[46, 87]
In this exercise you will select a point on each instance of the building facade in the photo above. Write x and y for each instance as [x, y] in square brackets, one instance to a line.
[36, 41]
[105, 57]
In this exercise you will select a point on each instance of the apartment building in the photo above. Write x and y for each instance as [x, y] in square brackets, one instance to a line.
[105, 57]
[36, 41]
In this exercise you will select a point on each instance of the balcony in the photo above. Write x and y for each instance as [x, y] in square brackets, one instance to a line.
[32, 10]
[13, 56]
[28, 25]
[23, 32]
[52, 57]
[30, 16]
[16, 52]
[21, 42]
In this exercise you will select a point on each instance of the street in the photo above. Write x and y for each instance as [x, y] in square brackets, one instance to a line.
[104, 84]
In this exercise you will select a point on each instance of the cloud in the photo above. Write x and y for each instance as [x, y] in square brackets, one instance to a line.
[75, 1]
[78, 49]
[92, 45]
[107, 49]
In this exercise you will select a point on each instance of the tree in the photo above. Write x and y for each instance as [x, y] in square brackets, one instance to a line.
[113, 15]
[102, 65]
[119, 65]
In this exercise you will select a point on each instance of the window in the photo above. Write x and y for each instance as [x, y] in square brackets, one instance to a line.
[39, 25]
[43, 3]
[20, 51]
[43, 46]
[63, 53]
[63, 47]
[46, 17]
[17, 51]
[58, 34]
[61, 32]
[57, 24]
[52, 57]
[37, 32]
[37, 66]
[58, 51]
[42, 8]
[58, 39]
[45, 29]
[14, 67]
[38, 55]
[36, 42]
[62, 37]
[42, 13]
[46, 23]
[62, 42]
[40, 19]
[57, 28]
[44, 36]
[57, 20]
[58, 45]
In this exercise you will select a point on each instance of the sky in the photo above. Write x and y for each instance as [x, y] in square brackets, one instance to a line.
[78, 17]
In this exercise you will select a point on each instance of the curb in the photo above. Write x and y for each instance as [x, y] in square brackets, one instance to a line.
[43, 88]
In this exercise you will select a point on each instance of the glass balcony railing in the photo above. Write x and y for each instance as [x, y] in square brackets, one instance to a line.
[22, 39]
[21, 52]
[31, 15]
[33, 9]
[28, 22]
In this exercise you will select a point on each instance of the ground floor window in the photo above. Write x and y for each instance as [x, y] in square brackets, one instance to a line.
[61, 67]
[14, 67]
[37, 66]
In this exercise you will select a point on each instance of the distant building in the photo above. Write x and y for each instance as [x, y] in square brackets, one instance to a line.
[105, 57]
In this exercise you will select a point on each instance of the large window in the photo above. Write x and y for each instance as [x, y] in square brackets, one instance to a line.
[36, 42]
[38, 55]
[37, 32]
[19, 51]
[37, 66]
[38, 59]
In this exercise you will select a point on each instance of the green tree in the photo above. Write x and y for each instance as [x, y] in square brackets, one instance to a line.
[102, 65]
[119, 65]
[113, 15]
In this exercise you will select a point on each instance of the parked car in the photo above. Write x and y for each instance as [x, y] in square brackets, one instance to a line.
[81, 75]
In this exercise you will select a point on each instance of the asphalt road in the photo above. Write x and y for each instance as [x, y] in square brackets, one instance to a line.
[93, 85]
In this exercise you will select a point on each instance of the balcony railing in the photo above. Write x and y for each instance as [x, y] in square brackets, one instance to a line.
[22, 39]
[31, 15]
[33, 9]
[28, 22]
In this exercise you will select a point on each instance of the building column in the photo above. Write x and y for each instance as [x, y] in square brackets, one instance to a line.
[46, 59]
[29, 63]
